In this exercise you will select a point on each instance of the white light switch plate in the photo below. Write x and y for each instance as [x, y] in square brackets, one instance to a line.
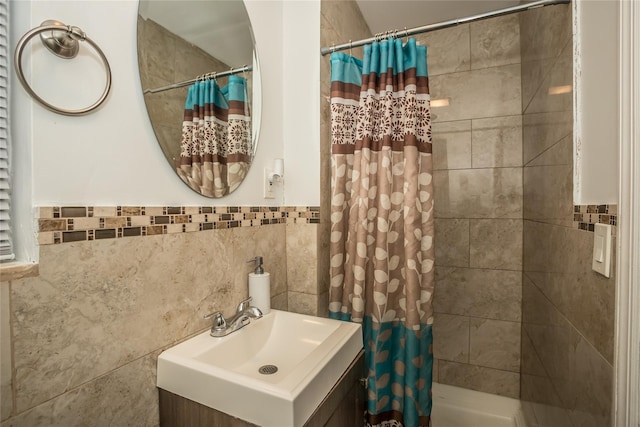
[601, 261]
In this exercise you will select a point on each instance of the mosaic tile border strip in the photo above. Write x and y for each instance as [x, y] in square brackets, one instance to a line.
[586, 216]
[61, 224]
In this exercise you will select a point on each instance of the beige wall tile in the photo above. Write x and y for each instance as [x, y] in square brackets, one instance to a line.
[547, 97]
[45, 238]
[537, 309]
[491, 92]
[533, 73]
[6, 395]
[479, 378]
[302, 267]
[592, 387]
[447, 50]
[495, 344]
[141, 286]
[323, 305]
[302, 303]
[452, 145]
[489, 294]
[192, 61]
[126, 396]
[548, 193]
[161, 49]
[268, 241]
[92, 223]
[544, 31]
[495, 42]
[497, 142]
[323, 230]
[577, 371]
[541, 402]
[280, 302]
[345, 18]
[46, 212]
[561, 153]
[558, 261]
[452, 242]
[154, 210]
[328, 35]
[156, 288]
[137, 221]
[542, 130]
[478, 193]
[530, 363]
[496, 243]
[451, 338]
[543, 34]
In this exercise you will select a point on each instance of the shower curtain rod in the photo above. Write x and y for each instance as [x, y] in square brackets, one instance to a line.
[440, 25]
[211, 75]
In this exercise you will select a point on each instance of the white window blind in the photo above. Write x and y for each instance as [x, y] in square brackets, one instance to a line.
[6, 247]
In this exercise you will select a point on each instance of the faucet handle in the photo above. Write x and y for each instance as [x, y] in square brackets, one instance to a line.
[218, 320]
[243, 305]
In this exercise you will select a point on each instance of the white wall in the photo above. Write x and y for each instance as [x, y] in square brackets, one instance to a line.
[111, 157]
[596, 74]
[301, 68]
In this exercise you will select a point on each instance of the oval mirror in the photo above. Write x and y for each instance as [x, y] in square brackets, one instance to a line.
[201, 86]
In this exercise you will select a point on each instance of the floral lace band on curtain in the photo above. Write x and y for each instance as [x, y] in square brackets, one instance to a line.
[216, 147]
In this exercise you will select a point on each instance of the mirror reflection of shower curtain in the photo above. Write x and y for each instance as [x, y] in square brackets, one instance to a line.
[216, 137]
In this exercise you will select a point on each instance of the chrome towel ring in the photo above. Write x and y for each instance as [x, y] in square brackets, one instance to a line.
[63, 41]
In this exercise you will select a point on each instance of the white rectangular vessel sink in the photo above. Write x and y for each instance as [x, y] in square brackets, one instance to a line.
[310, 354]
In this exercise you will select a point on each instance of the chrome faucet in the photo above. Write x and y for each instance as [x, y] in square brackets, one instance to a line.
[243, 316]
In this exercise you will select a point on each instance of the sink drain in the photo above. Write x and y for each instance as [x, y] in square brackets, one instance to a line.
[268, 369]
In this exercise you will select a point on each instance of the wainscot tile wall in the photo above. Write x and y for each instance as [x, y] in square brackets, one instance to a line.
[80, 340]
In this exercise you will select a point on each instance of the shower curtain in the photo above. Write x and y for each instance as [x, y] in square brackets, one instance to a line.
[216, 145]
[381, 253]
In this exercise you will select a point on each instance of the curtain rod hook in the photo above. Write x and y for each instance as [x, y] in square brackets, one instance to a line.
[350, 47]
[406, 32]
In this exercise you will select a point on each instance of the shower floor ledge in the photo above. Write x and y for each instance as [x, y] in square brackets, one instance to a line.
[460, 407]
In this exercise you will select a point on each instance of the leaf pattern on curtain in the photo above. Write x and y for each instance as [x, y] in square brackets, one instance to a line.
[216, 147]
[382, 253]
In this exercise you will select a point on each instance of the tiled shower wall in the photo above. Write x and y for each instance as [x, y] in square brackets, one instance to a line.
[477, 154]
[490, 209]
[567, 309]
[84, 335]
